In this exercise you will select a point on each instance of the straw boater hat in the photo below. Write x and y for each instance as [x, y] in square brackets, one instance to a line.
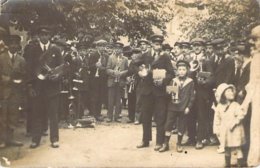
[221, 89]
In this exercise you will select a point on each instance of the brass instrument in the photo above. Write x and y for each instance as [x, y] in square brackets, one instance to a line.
[144, 70]
[45, 72]
[174, 91]
[117, 68]
[131, 84]
[97, 72]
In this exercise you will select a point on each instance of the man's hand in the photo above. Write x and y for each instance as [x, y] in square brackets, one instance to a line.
[54, 77]
[98, 64]
[117, 74]
[241, 94]
[186, 111]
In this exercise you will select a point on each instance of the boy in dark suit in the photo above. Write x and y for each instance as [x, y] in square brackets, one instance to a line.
[184, 95]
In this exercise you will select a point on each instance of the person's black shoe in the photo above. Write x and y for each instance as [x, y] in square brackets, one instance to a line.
[99, 118]
[15, 143]
[158, 147]
[143, 145]
[189, 143]
[130, 121]
[55, 145]
[199, 145]
[164, 148]
[34, 145]
[117, 120]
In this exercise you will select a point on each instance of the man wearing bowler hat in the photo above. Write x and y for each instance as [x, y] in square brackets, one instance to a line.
[153, 91]
[12, 77]
[43, 86]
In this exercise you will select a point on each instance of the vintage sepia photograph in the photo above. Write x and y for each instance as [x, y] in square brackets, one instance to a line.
[129, 83]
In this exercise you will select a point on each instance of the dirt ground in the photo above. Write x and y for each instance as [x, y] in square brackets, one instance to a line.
[109, 145]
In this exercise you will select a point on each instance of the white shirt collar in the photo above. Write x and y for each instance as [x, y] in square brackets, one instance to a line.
[46, 45]
[11, 55]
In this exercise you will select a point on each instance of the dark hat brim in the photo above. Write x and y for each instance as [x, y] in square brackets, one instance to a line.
[183, 63]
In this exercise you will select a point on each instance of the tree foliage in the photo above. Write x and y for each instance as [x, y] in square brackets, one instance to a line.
[132, 18]
[230, 19]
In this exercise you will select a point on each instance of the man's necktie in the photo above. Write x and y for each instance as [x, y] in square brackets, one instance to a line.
[238, 71]
[12, 58]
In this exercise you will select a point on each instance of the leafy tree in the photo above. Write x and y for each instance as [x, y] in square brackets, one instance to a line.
[113, 18]
[230, 19]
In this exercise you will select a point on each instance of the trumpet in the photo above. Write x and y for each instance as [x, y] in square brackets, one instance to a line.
[97, 72]
[117, 68]
[131, 84]
[174, 90]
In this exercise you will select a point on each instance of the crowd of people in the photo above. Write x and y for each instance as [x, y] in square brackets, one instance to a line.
[193, 88]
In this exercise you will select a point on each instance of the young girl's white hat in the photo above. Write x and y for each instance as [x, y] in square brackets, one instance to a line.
[221, 89]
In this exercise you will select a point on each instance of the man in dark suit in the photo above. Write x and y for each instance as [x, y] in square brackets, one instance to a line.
[243, 49]
[153, 91]
[98, 79]
[117, 67]
[223, 67]
[204, 93]
[12, 73]
[44, 89]
[133, 80]
[82, 75]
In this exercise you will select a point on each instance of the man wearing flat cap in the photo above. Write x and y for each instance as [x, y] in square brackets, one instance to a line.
[12, 78]
[208, 50]
[153, 90]
[98, 79]
[117, 68]
[43, 86]
[143, 44]
[198, 118]
[198, 49]
[223, 67]
[185, 51]
[82, 74]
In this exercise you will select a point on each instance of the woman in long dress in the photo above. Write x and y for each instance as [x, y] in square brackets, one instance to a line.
[253, 96]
